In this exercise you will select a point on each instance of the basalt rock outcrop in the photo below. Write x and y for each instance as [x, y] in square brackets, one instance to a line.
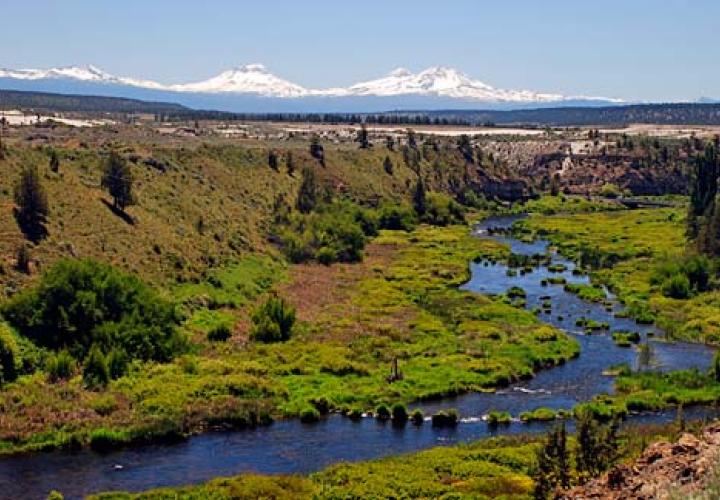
[664, 470]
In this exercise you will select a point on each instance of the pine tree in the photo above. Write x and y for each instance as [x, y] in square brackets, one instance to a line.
[420, 198]
[290, 163]
[553, 464]
[411, 140]
[2, 145]
[465, 147]
[119, 181]
[316, 150]
[362, 137]
[597, 446]
[23, 260]
[388, 165]
[273, 160]
[54, 162]
[308, 192]
[555, 185]
[703, 190]
[32, 204]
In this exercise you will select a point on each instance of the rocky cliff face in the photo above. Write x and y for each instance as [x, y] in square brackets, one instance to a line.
[582, 167]
[684, 469]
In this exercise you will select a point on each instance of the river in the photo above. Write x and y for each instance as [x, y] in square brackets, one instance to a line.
[290, 446]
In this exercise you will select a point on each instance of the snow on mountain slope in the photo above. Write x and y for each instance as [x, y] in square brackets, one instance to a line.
[251, 78]
[446, 82]
[255, 79]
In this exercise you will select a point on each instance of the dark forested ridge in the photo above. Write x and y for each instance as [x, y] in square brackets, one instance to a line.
[82, 103]
[669, 113]
[663, 114]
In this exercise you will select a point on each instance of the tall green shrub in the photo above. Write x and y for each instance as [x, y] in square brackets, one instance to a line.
[273, 321]
[78, 303]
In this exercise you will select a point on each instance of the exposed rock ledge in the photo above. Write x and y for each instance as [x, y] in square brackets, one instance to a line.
[665, 470]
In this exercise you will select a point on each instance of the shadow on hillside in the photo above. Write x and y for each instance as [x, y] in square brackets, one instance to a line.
[33, 230]
[119, 212]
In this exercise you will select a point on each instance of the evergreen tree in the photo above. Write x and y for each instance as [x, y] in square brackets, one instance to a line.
[32, 204]
[23, 259]
[555, 185]
[118, 180]
[703, 189]
[597, 446]
[316, 149]
[420, 198]
[308, 192]
[290, 163]
[553, 464]
[362, 137]
[388, 165]
[54, 163]
[465, 147]
[2, 145]
[411, 140]
[273, 160]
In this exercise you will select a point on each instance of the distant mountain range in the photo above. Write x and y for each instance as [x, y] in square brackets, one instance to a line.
[252, 88]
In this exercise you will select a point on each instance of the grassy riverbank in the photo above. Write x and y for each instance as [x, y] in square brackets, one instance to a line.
[490, 468]
[629, 251]
[401, 302]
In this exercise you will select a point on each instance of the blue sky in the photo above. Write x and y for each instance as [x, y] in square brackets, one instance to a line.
[634, 49]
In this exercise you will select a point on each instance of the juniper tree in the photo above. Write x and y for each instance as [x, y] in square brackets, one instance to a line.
[362, 137]
[308, 192]
[54, 162]
[273, 160]
[316, 150]
[597, 446]
[388, 165]
[420, 198]
[31, 203]
[703, 189]
[465, 147]
[118, 180]
[290, 163]
[553, 464]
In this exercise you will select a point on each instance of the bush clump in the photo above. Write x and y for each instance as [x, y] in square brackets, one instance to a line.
[382, 412]
[333, 232]
[441, 210]
[496, 418]
[309, 414]
[81, 303]
[95, 369]
[417, 417]
[399, 413]
[9, 356]
[273, 321]
[397, 217]
[681, 279]
[448, 418]
[60, 366]
[220, 333]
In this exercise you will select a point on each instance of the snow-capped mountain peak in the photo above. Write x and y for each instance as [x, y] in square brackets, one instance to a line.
[86, 73]
[436, 81]
[251, 78]
[400, 72]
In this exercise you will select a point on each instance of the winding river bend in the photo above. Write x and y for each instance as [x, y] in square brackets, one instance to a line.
[293, 447]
